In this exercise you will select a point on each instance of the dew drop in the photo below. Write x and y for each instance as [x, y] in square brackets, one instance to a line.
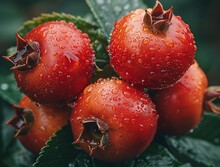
[64, 31]
[126, 94]
[58, 39]
[88, 89]
[144, 100]
[62, 47]
[118, 82]
[140, 61]
[42, 128]
[181, 38]
[53, 32]
[141, 125]
[146, 40]
[114, 91]
[71, 24]
[168, 42]
[152, 49]
[4, 86]
[151, 73]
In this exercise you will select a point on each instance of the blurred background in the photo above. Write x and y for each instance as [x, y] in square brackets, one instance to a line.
[203, 17]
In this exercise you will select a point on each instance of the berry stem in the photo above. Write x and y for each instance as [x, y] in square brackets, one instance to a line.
[27, 55]
[211, 95]
[158, 19]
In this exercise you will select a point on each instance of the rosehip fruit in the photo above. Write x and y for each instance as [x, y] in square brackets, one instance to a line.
[35, 123]
[113, 121]
[54, 62]
[180, 107]
[151, 47]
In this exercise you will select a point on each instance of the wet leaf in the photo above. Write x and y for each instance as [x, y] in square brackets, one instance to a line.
[108, 11]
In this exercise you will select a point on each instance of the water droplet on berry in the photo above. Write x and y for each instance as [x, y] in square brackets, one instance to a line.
[168, 42]
[140, 61]
[88, 89]
[42, 128]
[71, 24]
[53, 32]
[151, 73]
[181, 39]
[62, 47]
[144, 100]
[64, 31]
[126, 94]
[114, 91]
[146, 40]
[118, 81]
[152, 49]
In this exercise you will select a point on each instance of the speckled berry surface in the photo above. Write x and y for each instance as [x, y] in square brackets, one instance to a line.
[65, 67]
[145, 57]
[128, 114]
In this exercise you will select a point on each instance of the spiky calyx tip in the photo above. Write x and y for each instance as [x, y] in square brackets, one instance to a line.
[27, 55]
[158, 19]
[211, 95]
[94, 134]
[22, 120]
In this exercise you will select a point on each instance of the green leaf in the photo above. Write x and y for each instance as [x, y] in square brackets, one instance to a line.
[60, 152]
[208, 129]
[156, 155]
[9, 90]
[98, 40]
[196, 151]
[108, 11]
[201, 147]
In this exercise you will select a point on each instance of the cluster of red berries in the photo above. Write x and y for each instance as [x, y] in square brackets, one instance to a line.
[113, 119]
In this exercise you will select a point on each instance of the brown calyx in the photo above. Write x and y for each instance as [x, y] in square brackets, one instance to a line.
[27, 55]
[95, 134]
[22, 120]
[158, 19]
[210, 100]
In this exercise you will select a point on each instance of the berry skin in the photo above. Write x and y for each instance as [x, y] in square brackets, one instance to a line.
[35, 123]
[54, 62]
[180, 107]
[113, 121]
[152, 47]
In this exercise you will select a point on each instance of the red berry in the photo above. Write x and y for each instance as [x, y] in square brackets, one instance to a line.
[180, 107]
[35, 123]
[151, 47]
[54, 62]
[113, 121]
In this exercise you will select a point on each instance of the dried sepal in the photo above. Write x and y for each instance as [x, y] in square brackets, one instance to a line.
[27, 55]
[212, 94]
[157, 19]
[95, 134]
[22, 120]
